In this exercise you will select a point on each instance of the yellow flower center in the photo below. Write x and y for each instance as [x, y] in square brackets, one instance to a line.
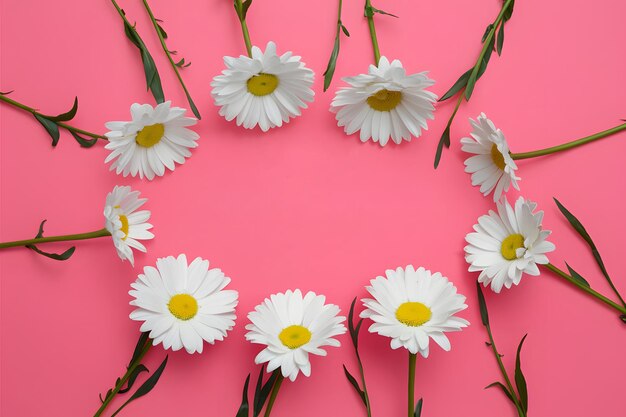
[413, 314]
[124, 227]
[295, 336]
[384, 100]
[262, 84]
[150, 135]
[497, 157]
[510, 245]
[183, 306]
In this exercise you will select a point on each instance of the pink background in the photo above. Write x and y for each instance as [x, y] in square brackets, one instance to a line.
[304, 206]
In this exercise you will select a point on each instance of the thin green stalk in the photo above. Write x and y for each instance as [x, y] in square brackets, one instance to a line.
[412, 360]
[362, 374]
[244, 26]
[61, 124]
[370, 22]
[124, 379]
[63, 238]
[275, 388]
[569, 145]
[586, 289]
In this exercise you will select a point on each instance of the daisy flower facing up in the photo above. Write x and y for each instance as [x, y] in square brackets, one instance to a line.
[156, 138]
[292, 327]
[264, 89]
[492, 166]
[413, 306]
[182, 305]
[385, 103]
[507, 244]
[125, 224]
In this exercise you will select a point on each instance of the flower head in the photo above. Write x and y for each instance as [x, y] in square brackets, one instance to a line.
[127, 225]
[182, 305]
[156, 138]
[292, 327]
[385, 103]
[492, 166]
[413, 306]
[507, 244]
[265, 89]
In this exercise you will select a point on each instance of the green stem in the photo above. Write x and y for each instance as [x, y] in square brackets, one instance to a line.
[586, 289]
[61, 124]
[370, 22]
[275, 388]
[412, 360]
[244, 26]
[365, 394]
[124, 379]
[63, 238]
[569, 145]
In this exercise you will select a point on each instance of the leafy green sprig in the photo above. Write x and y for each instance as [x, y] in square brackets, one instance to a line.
[52, 124]
[518, 395]
[332, 62]
[467, 81]
[133, 370]
[175, 65]
[370, 11]
[262, 391]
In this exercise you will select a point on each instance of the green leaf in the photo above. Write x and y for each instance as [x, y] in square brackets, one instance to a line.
[458, 85]
[375, 10]
[444, 140]
[6, 93]
[418, 408]
[500, 40]
[84, 142]
[261, 396]
[354, 330]
[509, 11]
[484, 314]
[56, 256]
[489, 26]
[355, 385]
[577, 276]
[244, 407]
[332, 62]
[107, 395]
[50, 126]
[246, 6]
[68, 115]
[141, 343]
[133, 377]
[146, 387]
[471, 82]
[520, 381]
[504, 389]
[345, 30]
[162, 31]
[182, 64]
[623, 318]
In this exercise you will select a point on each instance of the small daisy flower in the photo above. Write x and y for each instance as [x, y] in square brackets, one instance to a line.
[125, 224]
[507, 244]
[156, 138]
[492, 166]
[385, 103]
[182, 305]
[292, 327]
[413, 306]
[265, 89]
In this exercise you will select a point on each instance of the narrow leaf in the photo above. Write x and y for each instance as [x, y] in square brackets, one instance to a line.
[68, 115]
[489, 26]
[56, 256]
[418, 408]
[355, 385]
[504, 389]
[500, 39]
[50, 126]
[375, 10]
[509, 11]
[484, 315]
[458, 85]
[332, 62]
[520, 381]
[162, 31]
[84, 142]
[246, 6]
[145, 388]
[471, 82]
[345, 30]
[133, 377]
[577, 276]
[107, 395]
[265, 392]
[141, 343]
[444, 140]
[244, 407]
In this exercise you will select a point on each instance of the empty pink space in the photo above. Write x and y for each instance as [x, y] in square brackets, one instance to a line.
[305, 206]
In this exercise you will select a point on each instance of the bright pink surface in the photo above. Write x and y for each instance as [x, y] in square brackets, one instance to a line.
[304, 206]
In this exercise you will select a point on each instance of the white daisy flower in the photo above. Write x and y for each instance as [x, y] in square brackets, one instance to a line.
[507, 244]
[292, 327]
[127, 225]
[156, 138]
[385, 103]
[183, 305]
[264, 90]
[413, 306]
[492, 166]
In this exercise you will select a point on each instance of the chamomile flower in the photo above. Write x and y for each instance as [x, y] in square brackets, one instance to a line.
[385, 103]
[183, 305]
[507, 244]
[126, 225]
[292, 327]
[156, 138]
[413, 306]
[265, 89]
[492, 166]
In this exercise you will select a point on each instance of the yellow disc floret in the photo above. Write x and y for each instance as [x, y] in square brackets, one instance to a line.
[183, 306]
[125, 226]
[413, 314]
[295, 336]
[150, 135]
[384, 100]
[262, 84]
[497, 157]
[510, 245]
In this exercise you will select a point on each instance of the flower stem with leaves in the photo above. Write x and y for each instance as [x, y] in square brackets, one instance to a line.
[53, 123]
[369, 14]
[241, 7]
[175, 65]
[261, 393]
[519, 398]
[332, 62]
[274, 393]
[354, 336]
[467, 81]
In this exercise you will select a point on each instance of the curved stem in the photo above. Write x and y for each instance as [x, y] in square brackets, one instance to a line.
[275, 388]
[586, 289]
[365, 394]
[244, 26]
[569, 145]
[370, 22]
[124, 379]
[61, 124]
[62, 238]
[412, 360]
